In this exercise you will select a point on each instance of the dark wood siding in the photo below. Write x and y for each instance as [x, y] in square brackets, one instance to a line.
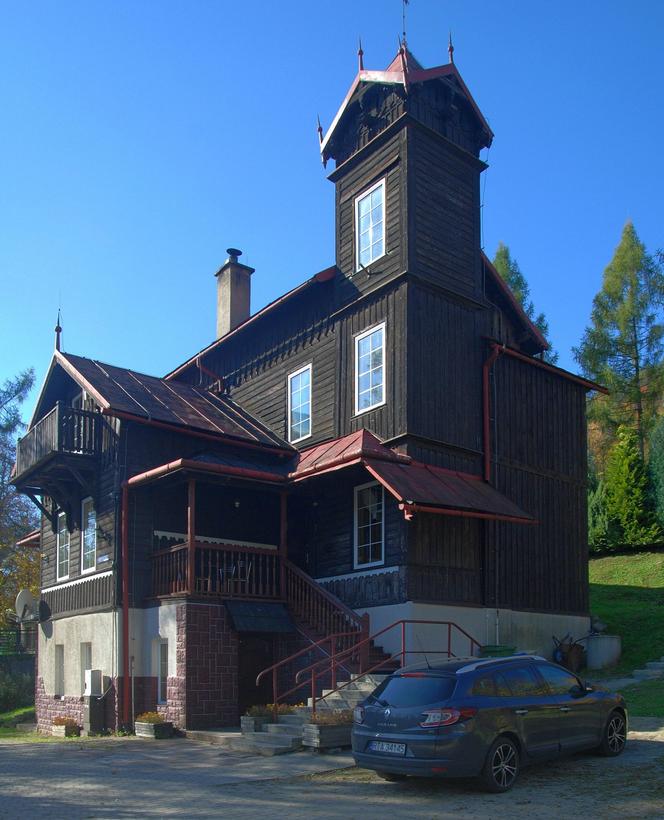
[443, 203]
[445, 560]
[539, 439]
[445, 356]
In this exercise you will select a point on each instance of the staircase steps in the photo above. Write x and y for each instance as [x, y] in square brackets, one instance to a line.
[266, 743]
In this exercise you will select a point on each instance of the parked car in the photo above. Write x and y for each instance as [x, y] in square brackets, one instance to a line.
[485, 718]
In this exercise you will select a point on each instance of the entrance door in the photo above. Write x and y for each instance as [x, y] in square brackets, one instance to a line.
[256, 652]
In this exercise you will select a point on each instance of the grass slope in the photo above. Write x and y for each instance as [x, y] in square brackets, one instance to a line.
[627, 593]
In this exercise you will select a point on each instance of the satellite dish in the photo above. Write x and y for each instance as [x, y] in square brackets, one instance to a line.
[27, 608]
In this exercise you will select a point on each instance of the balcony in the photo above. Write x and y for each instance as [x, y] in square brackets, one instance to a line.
[81, 434]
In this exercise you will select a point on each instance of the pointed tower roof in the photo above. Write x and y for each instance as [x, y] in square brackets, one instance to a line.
[406, 71]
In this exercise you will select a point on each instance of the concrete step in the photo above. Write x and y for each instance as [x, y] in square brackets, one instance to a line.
[217, 737]
[655, 665]
[648, 674]
[290, 729]
[265, 743]
[295, 719]
[26, 727]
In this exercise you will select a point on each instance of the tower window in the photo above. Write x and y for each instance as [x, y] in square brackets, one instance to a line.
[370, 225]
[369, 527]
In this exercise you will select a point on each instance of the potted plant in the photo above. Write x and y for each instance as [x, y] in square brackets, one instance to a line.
[65, 727]
[257, 717]
[328, 730]
[152, 724]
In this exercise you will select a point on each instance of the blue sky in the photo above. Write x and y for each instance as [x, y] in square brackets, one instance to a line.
[141, 139]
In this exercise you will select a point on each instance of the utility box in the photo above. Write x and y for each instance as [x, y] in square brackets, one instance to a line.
[93, 715]
[93, 682]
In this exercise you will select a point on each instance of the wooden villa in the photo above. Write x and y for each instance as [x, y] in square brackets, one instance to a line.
[383, 445]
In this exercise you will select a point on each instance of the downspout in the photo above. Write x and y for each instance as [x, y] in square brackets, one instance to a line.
[125, 603]
[496, 350]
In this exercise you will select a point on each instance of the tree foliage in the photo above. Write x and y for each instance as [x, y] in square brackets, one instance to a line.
[603, 530]
[18, 568]
[511, 273]
[656, 467]
[622, 347]
[628, 502]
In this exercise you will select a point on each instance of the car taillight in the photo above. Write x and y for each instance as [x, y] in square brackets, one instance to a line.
[445, 717]
[358, 714]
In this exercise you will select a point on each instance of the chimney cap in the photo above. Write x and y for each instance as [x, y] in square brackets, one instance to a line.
[233, 254]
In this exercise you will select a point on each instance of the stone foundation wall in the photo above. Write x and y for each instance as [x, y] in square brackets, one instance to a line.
[48, 707]
[210, 648]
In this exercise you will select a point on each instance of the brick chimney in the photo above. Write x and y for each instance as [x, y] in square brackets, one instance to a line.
[233, 293]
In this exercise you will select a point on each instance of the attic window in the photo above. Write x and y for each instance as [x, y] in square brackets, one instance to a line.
[370, 225]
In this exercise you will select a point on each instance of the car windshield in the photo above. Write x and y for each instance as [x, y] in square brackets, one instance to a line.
[414, 690]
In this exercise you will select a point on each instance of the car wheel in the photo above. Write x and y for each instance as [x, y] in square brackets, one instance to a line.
[615, 735]
[391, 777]
[502, 766]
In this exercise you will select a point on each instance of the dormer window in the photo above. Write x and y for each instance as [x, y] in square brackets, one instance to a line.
[370, 225]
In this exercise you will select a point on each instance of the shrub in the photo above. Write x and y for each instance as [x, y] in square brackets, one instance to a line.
[267, 709]
[65, 721]
[338, 717]
[15, 691]
[150, 717]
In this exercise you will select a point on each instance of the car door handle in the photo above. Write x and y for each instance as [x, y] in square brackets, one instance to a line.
[565, 709]
[520, 711]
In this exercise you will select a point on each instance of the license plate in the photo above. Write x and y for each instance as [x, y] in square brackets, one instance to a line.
[390, 748]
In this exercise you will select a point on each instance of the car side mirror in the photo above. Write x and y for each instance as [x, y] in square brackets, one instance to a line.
[578, 691]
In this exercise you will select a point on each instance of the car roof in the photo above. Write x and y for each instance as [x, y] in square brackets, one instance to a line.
[455, 666]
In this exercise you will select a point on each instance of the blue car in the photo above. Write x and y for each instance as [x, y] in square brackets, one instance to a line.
[483, 718]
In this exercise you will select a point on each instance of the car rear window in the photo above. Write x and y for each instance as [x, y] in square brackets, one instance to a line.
[411, 690]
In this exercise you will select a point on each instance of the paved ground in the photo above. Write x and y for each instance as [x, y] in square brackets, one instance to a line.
[130, 778]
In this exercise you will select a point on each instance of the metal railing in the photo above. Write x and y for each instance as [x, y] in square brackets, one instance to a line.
[357, 654]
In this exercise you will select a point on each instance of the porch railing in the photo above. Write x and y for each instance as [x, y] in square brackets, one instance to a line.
[62, 430]
[220, 570]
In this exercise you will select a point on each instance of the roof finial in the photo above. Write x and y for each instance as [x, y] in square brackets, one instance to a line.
[450, 48]
[319, 129]
[360, 57]
[58, 331]
[404, 3]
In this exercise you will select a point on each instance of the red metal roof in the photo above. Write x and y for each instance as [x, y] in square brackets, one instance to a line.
[342, 452]
[417, 486]
[148, 398]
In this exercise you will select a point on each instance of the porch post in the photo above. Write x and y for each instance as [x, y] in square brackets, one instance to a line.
[283, 541]
[191, 535]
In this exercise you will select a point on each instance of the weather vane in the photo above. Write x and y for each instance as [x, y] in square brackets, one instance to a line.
[404, 3]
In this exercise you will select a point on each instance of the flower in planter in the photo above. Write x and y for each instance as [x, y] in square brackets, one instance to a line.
[338, 717]
[150, 717]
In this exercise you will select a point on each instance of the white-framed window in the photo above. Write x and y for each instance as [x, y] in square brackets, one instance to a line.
[59, 669]
[162, 661]
[369, 525]
[370, 369]
[63, 548]
[86, 662]
[299, 404]
[370, 225]
[88, 535]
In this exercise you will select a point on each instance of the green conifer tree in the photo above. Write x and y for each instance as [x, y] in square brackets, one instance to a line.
[511, 273]
[623, 346]
[628, 499]
[656, 469]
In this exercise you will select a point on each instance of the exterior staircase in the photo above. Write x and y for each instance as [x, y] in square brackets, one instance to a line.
[652, 671]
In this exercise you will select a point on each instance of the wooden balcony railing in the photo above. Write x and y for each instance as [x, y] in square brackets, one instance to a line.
[221, 571]
[63, 430]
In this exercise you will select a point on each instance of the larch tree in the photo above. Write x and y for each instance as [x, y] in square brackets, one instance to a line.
[622, 347]
[511, 274]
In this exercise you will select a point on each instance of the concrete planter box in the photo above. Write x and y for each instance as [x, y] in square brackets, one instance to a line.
[158, 731]
[249, 723]
[66, 731]
[325, 737]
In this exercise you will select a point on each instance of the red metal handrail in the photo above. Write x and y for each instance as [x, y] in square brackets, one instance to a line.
[316, 672]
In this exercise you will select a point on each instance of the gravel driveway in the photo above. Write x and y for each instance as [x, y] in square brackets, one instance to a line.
[131, 778]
